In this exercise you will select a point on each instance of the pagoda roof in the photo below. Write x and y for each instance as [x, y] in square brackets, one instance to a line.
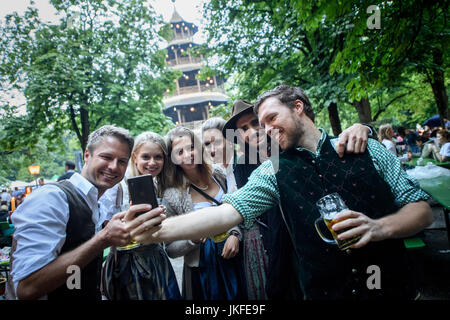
[176, 18]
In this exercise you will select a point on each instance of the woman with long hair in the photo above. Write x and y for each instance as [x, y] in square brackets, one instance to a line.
[254, 254]
[385, 136]
[212, 267]
[141, 272]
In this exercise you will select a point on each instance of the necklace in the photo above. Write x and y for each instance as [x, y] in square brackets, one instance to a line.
[201, 188]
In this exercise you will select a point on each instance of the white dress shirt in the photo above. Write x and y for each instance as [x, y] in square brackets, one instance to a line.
[40, 225]
[108, 201]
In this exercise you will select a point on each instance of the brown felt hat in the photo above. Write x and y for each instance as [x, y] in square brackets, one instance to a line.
[240, 107]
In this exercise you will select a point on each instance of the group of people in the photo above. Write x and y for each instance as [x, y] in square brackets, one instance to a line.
[10, 201]
[242, 218]
[434, 144]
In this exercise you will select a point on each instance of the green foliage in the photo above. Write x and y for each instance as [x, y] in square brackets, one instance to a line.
[100, 65]
[327, 48]
[223, 110]
[14, 165]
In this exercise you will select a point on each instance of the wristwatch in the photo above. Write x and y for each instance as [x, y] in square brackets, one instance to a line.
[235, 233]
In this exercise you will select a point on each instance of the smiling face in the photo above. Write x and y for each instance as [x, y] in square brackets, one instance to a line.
[281, 123]
[106, 164]
[184, 153]
[441, 139]
[214, 144]
[249, 129]
[149, 159]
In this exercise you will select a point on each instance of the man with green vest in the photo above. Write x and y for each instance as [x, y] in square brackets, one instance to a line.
[384, 203]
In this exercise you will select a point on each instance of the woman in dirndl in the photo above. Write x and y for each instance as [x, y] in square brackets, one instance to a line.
[140, 272]
[213, 267]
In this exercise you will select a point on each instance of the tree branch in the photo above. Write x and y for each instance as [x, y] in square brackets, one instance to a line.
[381, 110]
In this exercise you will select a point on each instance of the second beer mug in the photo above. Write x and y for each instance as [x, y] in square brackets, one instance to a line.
[329, 206]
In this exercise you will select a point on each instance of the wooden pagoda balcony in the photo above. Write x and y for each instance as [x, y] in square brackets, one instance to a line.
[196, 89]
[184, 60]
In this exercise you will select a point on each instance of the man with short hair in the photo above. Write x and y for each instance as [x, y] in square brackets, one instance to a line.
[257, 146]
[385, 205]
[59, 226]
[70, 170]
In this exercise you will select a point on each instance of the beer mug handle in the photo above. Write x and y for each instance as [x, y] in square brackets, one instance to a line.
[316, 224]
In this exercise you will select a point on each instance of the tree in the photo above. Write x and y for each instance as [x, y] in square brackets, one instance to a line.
[327, 48]
[266, 43]
[100, 65]
[412, 37]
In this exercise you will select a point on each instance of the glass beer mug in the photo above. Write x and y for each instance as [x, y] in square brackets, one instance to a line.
[133, 244]
[329, 206]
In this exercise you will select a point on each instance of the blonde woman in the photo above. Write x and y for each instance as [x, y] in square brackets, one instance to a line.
[213, 268]
[385, 135]
[145, 272]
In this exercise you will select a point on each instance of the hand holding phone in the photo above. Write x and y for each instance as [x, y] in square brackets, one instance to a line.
[142, 190]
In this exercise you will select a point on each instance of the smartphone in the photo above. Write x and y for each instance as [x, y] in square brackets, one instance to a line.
[142, 190]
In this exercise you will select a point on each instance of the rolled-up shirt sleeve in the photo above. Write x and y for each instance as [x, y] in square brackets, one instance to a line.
[258, 195]
[40, 231]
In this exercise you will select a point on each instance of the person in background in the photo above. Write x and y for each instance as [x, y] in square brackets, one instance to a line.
[219, 149]
[4, 213]
[385, 136]
[441, 151]
[446, 124]
[401, 140]
[19, 197]
[5, 197]
[412, 138]
[258, 240]
[212, 266]
[70, 170]
[420, 142]
[145, 272]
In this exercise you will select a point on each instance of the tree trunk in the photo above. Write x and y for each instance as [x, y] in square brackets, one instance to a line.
[437, 83]
[363, 108]
[335, 122]
[85, 129]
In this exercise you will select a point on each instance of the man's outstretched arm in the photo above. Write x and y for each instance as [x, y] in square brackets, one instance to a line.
[191, 226]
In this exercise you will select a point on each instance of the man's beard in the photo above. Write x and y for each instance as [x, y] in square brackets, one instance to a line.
[294, 135]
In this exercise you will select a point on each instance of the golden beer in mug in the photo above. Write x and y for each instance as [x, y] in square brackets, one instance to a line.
[133, 244]
[329, 206]
[342, 244]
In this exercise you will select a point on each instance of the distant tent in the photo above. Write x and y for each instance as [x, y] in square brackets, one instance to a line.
[19, 184]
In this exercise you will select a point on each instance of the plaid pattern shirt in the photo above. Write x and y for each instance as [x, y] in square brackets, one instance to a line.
[261, 191]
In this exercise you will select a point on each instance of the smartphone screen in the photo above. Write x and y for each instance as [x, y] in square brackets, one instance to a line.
[142, 190]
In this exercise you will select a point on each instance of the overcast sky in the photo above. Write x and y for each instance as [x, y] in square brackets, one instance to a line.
[190, 10]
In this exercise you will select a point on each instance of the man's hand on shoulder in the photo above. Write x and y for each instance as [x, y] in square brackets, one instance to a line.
[353, 139]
